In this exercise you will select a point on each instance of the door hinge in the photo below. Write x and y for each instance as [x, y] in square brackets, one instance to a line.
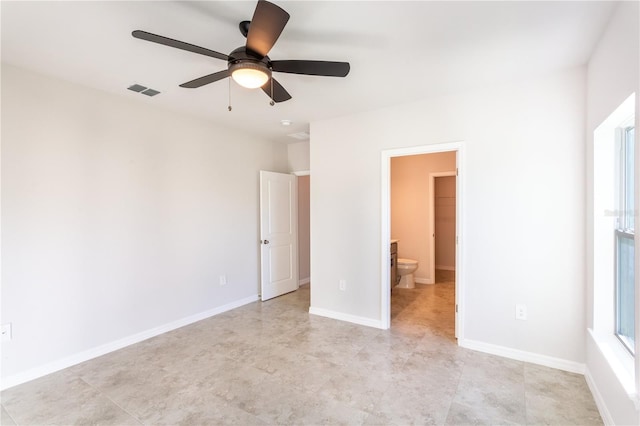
[456, 239]
[456, 171]
[456, 308]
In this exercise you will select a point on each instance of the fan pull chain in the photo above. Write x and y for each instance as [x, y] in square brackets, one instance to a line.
[272, 103]
[229, 107]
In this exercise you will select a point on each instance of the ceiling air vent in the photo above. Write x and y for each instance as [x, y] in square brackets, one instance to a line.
[136, 88]
[302, 136]
[142, 89]
[150, 92]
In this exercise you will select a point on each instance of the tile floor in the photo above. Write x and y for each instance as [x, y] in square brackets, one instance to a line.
[273, 363]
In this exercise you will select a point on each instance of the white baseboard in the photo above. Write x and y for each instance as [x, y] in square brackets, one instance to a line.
[83, 356]
[446, 268]
[304, 281]
[424, 280]
[346, 317]
[607, 418]
[533, 358]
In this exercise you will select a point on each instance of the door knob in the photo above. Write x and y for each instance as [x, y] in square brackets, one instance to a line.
[265, 241]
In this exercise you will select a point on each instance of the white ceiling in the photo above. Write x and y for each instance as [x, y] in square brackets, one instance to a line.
[399, 51]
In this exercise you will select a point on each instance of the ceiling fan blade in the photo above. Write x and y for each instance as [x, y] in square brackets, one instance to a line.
[324, 68]
[143, 35]
[279, 93]
[207, 79]
[266, 26]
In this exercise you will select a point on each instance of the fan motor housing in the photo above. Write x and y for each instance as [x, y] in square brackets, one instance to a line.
[242, 54]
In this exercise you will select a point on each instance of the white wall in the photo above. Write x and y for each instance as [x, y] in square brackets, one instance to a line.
[411, 203]
[524, 191]
[117, 218]
[613, 74]
[298, 156]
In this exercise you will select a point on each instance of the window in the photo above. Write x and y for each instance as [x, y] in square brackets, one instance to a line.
[624, 240]
[615, 281]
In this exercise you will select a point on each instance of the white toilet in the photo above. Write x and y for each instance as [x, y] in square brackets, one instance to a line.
[406, 268]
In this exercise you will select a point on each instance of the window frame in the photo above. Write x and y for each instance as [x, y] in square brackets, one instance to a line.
[623, 228]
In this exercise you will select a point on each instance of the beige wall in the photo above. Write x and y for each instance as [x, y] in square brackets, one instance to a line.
[410, 206]
[445, 222]
[303, 229]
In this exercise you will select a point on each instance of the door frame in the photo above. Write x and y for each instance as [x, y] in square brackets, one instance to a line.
[385, 231]
[432, 221]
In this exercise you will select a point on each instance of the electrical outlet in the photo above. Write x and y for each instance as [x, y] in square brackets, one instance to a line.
[521, 312]
[223, 280]
[343, 285]
[6, 332]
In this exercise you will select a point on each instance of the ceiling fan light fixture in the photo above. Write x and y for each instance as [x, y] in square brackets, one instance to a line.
[250, 65]
[250, 74]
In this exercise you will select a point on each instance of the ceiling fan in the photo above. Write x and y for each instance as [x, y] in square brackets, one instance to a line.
[249, 65]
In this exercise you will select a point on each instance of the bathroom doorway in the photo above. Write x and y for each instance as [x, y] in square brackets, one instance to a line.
[409, 216]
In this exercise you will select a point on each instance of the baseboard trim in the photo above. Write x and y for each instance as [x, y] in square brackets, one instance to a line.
[304, 281]
[52, 367]
[533, 358]
[607, 418]
[446, 268]
[424, 280]
[346, 317]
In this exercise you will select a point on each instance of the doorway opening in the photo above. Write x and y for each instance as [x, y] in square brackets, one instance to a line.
[284, 234]
[304, 234]
[414, 217]
[442, 192]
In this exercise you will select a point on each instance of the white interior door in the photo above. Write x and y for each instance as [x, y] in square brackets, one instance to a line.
[278, 234]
